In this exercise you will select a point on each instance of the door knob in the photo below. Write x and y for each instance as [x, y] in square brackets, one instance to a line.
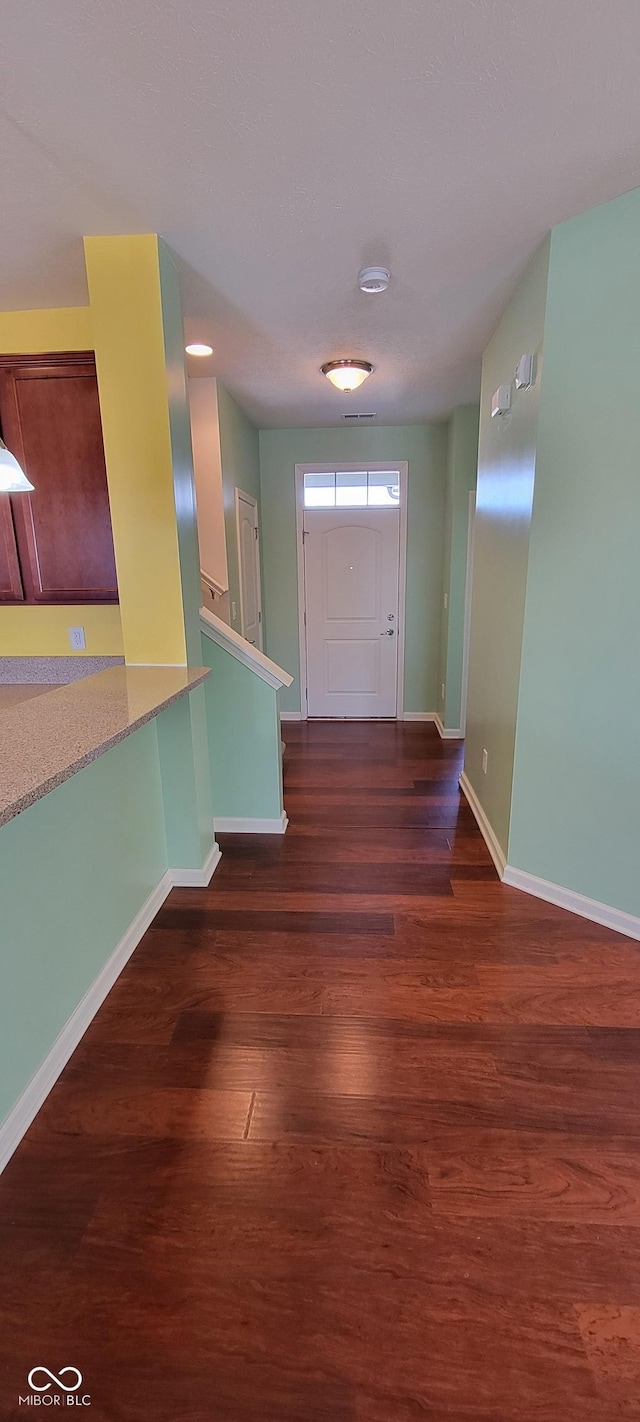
[388, 633]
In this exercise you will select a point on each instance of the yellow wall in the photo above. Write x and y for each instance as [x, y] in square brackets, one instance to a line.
[43, 631]
[68, 328]
[126, 308]
[134, 325]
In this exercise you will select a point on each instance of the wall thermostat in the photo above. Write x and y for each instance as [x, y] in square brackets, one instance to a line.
[526, 372]
[501, 401]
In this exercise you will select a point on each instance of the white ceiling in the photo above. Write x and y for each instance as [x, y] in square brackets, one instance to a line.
[279, 145]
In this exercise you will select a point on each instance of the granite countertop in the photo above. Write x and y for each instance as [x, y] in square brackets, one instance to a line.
[52, 671]
[13, 693]
[45, 740]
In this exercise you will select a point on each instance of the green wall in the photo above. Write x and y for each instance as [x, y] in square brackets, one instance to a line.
[244, 738]
[182, 729]
[77, 866]
[240, 458]
[506, 470]
[181, 452]
[462, 465]
[424, 447]
[183, 739]
[576, 792]
[75, 869]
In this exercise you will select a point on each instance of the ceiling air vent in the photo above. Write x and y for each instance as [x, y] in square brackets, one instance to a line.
[359, 417]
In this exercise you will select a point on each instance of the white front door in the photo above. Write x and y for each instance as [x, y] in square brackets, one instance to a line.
[351, 561]
[249, 568]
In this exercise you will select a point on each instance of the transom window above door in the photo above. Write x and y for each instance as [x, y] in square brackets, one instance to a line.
[363, 488]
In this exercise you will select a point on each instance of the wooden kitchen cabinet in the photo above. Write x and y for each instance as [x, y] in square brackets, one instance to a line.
[56, 544]
[11, 589]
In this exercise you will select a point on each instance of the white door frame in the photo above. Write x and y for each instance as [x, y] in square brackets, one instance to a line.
[466, 636]
[239, 494]
[349, 468]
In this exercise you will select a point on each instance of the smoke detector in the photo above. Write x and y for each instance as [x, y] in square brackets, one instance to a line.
[374, 279]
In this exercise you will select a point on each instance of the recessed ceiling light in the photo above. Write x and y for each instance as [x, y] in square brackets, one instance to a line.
[374, 279]
[347, 375]
[199, 349]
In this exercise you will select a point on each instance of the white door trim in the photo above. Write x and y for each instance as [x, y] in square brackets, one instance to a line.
[347, 468]
[239, 494]
[466, 636]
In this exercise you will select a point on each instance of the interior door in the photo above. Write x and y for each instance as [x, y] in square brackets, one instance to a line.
[351, 561]
[468, 589]
[249, 568]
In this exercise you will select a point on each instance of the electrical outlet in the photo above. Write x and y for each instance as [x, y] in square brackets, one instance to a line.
[442, 692]
[234, 612]
[446, 601]
[77, 640]
[485, 761]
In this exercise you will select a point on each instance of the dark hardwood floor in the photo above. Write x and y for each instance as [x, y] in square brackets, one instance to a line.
[355, 1138]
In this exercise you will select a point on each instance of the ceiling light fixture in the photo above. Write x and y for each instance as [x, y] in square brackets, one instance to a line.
[374, 279]
[13, 479]
[346, 375]
[198, 348]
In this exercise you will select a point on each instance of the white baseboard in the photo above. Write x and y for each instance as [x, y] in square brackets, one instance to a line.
[616, 919]
[28, 1104]
[198, 878]
[231, 825]
[404, 716]
[483, 824]
[445, 732]
[593, 909]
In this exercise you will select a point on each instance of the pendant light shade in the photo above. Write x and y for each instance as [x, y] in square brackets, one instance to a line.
[347, 375]
[13, 479]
